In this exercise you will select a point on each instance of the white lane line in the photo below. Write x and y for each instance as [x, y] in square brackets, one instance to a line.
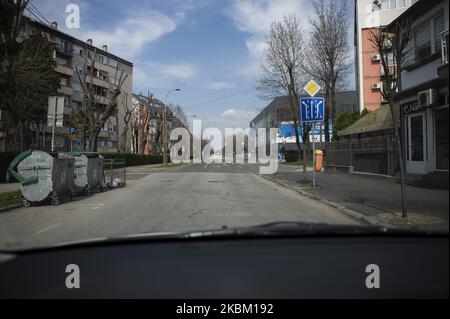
[48, 228]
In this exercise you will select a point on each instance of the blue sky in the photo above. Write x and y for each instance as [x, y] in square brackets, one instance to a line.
[208, 48]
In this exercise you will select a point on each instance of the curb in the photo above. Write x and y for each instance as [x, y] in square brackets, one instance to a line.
[344, 210]
[13, 206]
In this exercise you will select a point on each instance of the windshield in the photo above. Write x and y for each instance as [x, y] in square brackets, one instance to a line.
[167, 117]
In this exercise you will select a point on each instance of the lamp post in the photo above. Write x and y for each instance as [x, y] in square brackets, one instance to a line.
[165, 133]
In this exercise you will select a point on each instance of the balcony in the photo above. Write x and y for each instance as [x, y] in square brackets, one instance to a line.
[64, 49]
[103, 134]
[443, 69]
[63, 69]
[444, 47]
[102, 99]
[97, 81]
[66, 90]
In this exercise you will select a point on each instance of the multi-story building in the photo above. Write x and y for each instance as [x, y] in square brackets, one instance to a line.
[423, 96]
[369, 16]
[73, 56]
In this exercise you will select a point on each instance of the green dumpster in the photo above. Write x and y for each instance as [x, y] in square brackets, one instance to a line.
[43, 175]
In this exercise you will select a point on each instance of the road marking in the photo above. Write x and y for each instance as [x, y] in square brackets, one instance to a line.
[48, 228]
[90, 205]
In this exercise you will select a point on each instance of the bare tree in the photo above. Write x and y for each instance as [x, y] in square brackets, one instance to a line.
[100, 102]
[328, 58]
[180, 118]
[126, 121]
[392, 44]
[282, 71]
[27, 75]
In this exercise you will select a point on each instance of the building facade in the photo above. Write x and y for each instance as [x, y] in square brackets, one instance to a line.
[369, 16]
[73, 56]
[423, 97]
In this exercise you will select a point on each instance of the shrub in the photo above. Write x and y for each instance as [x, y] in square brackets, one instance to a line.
[135, 159]
[291, 156]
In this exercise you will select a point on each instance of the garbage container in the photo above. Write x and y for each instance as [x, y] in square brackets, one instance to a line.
[88, 171]
[43, 175]
[319, 160]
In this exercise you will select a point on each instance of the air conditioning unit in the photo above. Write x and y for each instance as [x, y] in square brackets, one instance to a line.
[376, 57]
[427, 98]
[376, 86]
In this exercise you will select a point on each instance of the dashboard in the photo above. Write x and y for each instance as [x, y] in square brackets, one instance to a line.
[298, 267]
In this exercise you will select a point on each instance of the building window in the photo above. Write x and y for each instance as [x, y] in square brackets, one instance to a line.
[77, 49]
[427, 37]
[78, 68]
[77, 87]
[438, 26]
[76, 106]
[422, 41]
[395, 4]
[102, 59]
[113, 63]
[63, 81]
[61, 61]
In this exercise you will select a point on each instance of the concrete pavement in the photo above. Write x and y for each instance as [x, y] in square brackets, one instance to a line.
[374, 196]
[191, 197]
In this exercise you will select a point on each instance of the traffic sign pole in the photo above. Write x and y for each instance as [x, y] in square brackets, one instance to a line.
[312, 110]
[314, 156]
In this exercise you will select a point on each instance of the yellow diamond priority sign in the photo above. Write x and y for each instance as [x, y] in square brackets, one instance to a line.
[312, 88]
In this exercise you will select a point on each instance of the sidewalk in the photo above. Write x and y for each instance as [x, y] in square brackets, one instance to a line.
[377, 198]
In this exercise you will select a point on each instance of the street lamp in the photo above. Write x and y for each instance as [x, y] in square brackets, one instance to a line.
[165, 138]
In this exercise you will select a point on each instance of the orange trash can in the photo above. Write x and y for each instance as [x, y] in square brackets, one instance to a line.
[319, 160]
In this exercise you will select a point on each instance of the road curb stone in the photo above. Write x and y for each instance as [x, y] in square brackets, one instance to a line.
[341, 208]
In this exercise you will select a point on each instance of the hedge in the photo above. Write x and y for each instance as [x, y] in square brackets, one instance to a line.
[130, 160]
[135, 159]
[291, 156]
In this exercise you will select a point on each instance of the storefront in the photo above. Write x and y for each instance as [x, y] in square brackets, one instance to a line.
[425, 135]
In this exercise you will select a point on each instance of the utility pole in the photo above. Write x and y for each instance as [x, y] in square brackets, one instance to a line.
[164, 118]
[54, 124]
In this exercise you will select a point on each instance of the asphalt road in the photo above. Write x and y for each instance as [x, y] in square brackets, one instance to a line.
[185, 198]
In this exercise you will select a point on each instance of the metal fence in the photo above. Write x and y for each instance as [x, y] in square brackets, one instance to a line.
[372, 155]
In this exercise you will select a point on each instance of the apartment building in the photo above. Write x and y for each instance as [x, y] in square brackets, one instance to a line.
[423, 96]
[73, 55]
[370, 15]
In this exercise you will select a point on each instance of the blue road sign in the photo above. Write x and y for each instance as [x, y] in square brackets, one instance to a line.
[72, 130]
[312, 109]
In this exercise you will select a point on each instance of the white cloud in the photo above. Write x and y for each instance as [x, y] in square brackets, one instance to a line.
[218, 85]
[182, 71]
[129, 37]
[130, 29]
[255, 19]
[153, 74]
[230, 118]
